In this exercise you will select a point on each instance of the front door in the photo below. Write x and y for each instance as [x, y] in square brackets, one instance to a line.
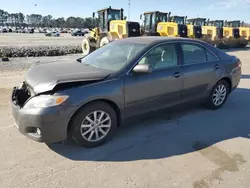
[160, 88]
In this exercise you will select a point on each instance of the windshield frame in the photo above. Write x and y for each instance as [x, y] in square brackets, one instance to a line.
[178, 18]
[202, 22]
[161, 17]
[114, 13]
[234, 24]
[97, 53]
[147, 21]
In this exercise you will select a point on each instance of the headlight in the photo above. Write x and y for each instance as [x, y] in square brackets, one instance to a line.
[43, 101]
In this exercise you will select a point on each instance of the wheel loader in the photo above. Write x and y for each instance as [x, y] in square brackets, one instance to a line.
[244, 32]
[153, 20]
[179, 25]
[111, 26]
[230, 36]
[212, 32]
[158, 23]
[194, 27]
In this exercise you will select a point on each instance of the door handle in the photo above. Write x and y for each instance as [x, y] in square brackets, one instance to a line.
[177, 75]
[216, 66]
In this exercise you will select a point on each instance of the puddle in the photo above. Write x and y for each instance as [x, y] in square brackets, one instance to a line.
[217, 156]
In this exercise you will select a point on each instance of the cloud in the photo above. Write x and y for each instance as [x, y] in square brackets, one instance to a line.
[228, 4]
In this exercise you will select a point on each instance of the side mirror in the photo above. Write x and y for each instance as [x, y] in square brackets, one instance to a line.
[141, 17]
[93, 15]
[143, 68]
[79, 60]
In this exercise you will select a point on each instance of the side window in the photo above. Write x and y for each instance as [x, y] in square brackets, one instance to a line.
[163, 56]
[211, 56]
[193, 54]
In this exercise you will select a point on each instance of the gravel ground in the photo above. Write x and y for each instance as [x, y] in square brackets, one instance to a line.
[37, 39]
[13, 70]
[190, 148]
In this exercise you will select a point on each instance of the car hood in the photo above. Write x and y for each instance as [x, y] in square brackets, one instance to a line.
[44, 76]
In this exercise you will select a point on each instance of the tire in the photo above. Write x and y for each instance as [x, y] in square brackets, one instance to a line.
[87, 111]
[86, 47]
[211, 103]
[104, 41]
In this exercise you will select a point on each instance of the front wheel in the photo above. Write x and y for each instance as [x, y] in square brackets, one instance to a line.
[86, 47]
[93, 124]
[104, 41]
[219, 95]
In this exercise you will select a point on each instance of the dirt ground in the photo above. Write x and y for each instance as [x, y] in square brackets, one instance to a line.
[189, 148]
[37, 39]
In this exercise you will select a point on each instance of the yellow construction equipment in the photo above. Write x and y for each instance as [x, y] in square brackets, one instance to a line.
[151, 22]
[194, 27]
[178, 24]
[111, 26]
[223, 35]
[158, 23]
[212, 32]
[244, 32]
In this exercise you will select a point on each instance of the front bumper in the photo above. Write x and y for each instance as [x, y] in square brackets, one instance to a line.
[51, 123]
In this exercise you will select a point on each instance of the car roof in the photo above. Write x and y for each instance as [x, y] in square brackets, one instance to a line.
[152, 40]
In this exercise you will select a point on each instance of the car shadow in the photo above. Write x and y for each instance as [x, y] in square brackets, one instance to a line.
[245, 76]
[236, 49]
[169, 133]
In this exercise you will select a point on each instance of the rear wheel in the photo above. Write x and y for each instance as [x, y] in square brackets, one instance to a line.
[218, 95]
[93, 124]
[86, 47]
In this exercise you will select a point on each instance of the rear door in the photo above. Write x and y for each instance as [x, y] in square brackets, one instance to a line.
[160, 88]
[201, 69]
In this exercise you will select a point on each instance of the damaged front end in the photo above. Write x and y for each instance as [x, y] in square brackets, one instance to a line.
[21, 94]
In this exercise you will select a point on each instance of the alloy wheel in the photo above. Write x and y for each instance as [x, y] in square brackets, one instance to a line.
[219, 94]
[95, 126]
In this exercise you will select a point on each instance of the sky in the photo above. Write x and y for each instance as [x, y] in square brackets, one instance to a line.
[213, 9]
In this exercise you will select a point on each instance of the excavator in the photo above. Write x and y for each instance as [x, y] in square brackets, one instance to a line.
[158, 23]
[111, 26]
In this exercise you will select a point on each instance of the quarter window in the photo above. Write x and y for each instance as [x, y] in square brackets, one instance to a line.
[163, 56]
[211, 56]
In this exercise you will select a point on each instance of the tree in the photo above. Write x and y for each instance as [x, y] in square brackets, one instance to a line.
[71, 22]
[20, 19]
[3, 17]
[37, 20]
[47, 21]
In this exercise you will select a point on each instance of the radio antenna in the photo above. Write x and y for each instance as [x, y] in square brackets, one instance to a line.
[128, 10]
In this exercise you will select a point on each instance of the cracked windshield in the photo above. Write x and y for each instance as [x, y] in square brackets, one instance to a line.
[124, 94]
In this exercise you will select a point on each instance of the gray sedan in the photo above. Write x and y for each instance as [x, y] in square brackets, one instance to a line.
[88, 99]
